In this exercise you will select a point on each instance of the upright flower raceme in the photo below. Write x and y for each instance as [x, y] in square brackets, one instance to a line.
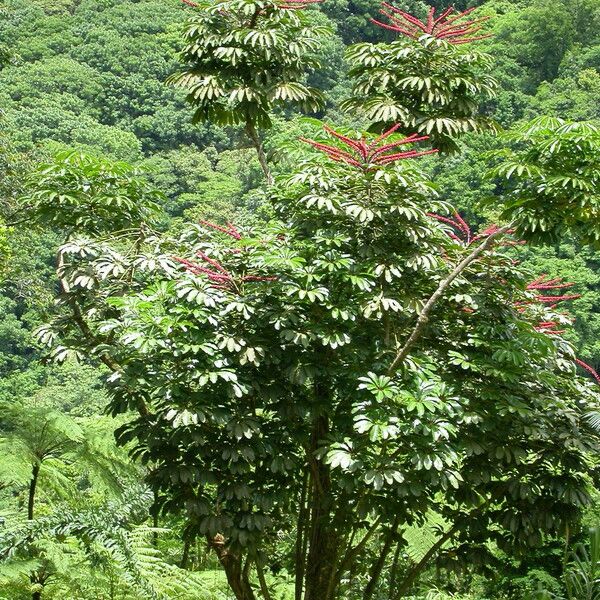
[545, 286]
[461, 231]
[296, 4]
[454, 30]
[365, 155]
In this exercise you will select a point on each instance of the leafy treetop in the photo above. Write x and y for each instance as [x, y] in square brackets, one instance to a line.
[82, 193]
[553, 178]
[431, 84]
[244, 57]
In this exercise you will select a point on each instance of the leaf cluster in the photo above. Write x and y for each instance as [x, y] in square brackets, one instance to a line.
[245, 57]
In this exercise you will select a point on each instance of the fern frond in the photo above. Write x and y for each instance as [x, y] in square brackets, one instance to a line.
[420, 538]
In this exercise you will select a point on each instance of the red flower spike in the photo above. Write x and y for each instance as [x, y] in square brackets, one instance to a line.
[387, 133]
[447, 220]
[211, 261]
[549, 327]
[388, 158]
[463, 228]
[363, 155]
[454, 30]
[411, 139]
[589, 369]
[543, 283]
[296, 4]
[555, 299]
[233, 232]
[219, 278]
[190, 3]
[344, 138]
[447, 12]
[229, 230]
[392, 27]
[258, 278]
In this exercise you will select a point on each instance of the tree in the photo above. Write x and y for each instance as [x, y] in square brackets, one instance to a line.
[363, 364]
[39, 444]
[91, 552]
[355, 367]
[553, 180]
[245, 57]
[429, 82]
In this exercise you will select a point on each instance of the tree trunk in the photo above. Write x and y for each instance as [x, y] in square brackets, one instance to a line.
[377, 568]
[35, 472]
[154, 512]
[321, 563]
[394, 570]
[237, 577]
[301, 539]
[260, 150]
[264, 588]
[185, 557]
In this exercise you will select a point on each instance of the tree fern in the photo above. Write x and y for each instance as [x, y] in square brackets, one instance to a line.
[420, 538]
[104, 542]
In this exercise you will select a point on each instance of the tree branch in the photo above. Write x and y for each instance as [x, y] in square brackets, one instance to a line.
[416, 570]
[439, 292]
[354, 552]
[264, 589]
[422, 564]
[262, 157]
[88, 334]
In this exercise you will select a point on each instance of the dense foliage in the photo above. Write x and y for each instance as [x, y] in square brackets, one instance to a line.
[338, 362]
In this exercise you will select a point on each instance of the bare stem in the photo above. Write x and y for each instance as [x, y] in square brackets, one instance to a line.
[421, 323]
[260, 151]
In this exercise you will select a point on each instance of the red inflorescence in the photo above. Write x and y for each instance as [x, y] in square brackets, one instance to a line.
[589, 369]
[542, 284]
[464, 234]
[229, 230]
[551, 327]
[214, 271]
[457, 223]
[363, 155]
[454, 30]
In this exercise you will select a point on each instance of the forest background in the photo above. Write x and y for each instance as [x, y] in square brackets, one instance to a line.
[90, 75]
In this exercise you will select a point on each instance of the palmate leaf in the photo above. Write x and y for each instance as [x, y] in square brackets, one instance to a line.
[254, 54]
